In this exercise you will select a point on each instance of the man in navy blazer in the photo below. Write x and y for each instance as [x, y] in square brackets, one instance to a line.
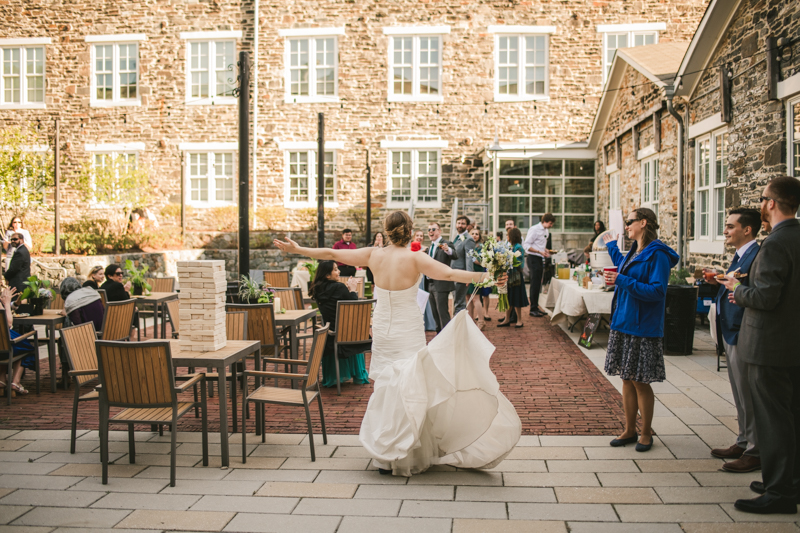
[741, 228]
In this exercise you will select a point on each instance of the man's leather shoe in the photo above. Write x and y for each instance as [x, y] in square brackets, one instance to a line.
[767, 504]
[734, 452]
[758, 488]
[536, 313]
[746, 463]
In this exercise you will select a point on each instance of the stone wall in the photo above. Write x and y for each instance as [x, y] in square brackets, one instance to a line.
[361, 119]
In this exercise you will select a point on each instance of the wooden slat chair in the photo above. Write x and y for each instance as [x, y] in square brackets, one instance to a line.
[359, 284]
[308, 390]
[261, 326]
[103, 298]
[353, 325]
[277, 278]
[8, 356]
[291, 299]
[117, 321]
[139, 377]
[173, 314]
[79, 346]
[57, 302]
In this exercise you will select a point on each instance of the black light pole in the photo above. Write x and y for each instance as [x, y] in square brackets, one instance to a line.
[321, 180]
[57, 190]
[244, 164]
[369, 203]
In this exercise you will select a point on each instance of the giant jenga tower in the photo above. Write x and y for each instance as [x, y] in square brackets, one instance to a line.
[202, 309]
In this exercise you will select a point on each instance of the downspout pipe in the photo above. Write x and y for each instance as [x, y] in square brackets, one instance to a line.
[255, 113]
[670, 94]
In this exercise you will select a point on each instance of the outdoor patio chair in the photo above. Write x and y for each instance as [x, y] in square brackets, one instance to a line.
[8, 356]
[277, 278]
[304, 395]
[174, 317]
[102, 293]
[261, 326]
[57, 302]
[79, 347]
[139, 378]
[291, 298]
[162, 284]
[353, 326]
[118, 320]
[359, 287]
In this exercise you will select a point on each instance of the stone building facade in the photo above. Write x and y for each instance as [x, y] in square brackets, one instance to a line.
[424, 87]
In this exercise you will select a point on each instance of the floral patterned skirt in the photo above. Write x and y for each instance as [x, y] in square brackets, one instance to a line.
[635, 358]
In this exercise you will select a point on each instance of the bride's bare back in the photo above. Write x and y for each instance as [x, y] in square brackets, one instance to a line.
[395, 268]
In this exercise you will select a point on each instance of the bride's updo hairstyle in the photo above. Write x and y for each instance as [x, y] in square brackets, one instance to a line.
[399, 228]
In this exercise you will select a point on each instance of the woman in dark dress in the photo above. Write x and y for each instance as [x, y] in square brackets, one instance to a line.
[95, 278]
[517, 299]
[327, 290]
[82, 304]
[115, 290]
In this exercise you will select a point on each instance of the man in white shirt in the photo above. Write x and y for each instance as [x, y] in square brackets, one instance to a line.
[536, 251]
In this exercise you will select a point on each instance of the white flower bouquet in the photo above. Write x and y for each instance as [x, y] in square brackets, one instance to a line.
[497, 258]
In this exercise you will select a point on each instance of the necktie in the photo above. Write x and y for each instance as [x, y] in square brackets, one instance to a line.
[433, 249]
[734, 263]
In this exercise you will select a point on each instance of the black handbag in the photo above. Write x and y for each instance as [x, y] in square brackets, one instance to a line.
[514, 278]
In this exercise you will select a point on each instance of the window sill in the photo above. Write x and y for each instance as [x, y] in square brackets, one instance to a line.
[418, 205]
[707, 247]
[222, 100]
[23, 106]
[118, 103]
[307, 205]
[526, 98]
[202, 205]
[311, 99]
[416, 99]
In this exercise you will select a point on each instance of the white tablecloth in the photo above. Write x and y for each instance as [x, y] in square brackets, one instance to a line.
[301, 278]
[567, 298]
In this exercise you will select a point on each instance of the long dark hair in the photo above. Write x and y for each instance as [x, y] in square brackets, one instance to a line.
[324, 269]
[11, 223]
[515, 236]
[651, 226]
[602, 227]
[376, 238]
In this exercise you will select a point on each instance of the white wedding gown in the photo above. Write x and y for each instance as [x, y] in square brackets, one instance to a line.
[436, 404]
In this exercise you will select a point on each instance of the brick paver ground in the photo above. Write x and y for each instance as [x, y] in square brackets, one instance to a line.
[554, 387]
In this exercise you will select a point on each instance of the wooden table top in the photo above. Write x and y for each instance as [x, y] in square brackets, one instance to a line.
[232, 350]
[156, 297]
[50, 316]
[290, 318]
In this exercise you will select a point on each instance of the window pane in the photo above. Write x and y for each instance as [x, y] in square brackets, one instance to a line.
[325, 66]
[514, 204]
[34, 72]
[402, 65]
[703, 163]
[514, 185]
[579, 186]
[578, 223]
[514, 167]
[298, 66]
[655, 180]
[128, 58]
[535, 65]
[721, 166]
[521, 221]
[553, 205]
[508, 65]
[198, 67]
[796, 138]
[702, 200]
[330, 182]
[720, 205]
[579, 168]
[578, 205]
[103, 69]
[198, 177]
[553, 187]
[429, 65]
[400, 172]
[224, 68]
[538, 204]
[223, 177]
[428, 178]
[298, 176]
[538, 186]
[646, 182]
[546, 167]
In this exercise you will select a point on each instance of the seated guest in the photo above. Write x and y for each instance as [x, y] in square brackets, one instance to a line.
[599, 227]
[81, 304]
[6, 296]
[95, 278]
[326, 291]
[115, 290]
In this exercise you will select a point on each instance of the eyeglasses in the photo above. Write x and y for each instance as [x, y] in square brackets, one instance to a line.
[629, 221]
[431, 230]
[762, 198]
[118, 273]
[13, 239]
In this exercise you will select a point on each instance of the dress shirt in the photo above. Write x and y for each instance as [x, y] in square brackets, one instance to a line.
[746, 246]
[536, 239]
[341, 245]
[434, 246]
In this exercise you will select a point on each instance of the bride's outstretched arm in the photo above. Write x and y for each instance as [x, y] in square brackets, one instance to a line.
[358, 257]
[436, 270]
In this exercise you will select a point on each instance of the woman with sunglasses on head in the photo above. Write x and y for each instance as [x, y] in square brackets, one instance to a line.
[115, 290]
[636, 341]
[95, 278]
[16, 227]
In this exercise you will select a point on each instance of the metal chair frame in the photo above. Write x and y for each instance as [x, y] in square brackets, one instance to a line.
[7, 353]
[79, 347]
[346, 333]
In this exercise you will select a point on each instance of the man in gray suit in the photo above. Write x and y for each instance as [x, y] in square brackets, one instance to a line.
[767, 343]
[444, 252]
[463, 245]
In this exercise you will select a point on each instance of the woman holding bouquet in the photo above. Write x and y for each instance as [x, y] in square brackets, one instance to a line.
[478, 308]
[517, 299]
[421, 413]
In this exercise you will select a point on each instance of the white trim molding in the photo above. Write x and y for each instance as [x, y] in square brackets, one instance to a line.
[421, 144]
[610, 169]
[647, 151]
[209, 147]
[119, 147]
[309, 145]
[521, 29]
[121, 38]
[789, 87]
[645, 26]
[211, 35]
[310, 32]
[416, 30]
[24, 41]
[706, 125]
[707, 247]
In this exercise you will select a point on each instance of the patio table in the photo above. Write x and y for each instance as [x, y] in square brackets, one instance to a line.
[156, 299]
[50, 319]
[293, 319]
[571, 300]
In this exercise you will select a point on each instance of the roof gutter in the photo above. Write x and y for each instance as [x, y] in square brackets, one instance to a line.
[670, 94]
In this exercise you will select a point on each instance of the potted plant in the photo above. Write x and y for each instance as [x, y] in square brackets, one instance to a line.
[136, 277]
[37, 292]
[311, 266]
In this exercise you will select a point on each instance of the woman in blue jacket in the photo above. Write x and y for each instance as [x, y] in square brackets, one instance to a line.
[636, 342]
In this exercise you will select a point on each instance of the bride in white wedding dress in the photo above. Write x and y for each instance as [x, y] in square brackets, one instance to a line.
[432, 404]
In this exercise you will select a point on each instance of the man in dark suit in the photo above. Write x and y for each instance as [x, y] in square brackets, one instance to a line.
[463, 244]
[444, 252]
[115, 290]
[767, 343]
[741, 228]
[19, 268]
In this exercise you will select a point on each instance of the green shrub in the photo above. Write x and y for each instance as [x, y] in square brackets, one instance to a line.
[677, 276]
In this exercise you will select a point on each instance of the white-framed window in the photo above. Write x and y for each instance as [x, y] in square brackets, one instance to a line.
[115, 70]
[793, 136]
[123, 157]
[522, 61]
[616, 36]
[415, 64]
[613, 191]
[211, 68]
[210, 172]
[649, 185]
[415, 175]
[300, 175]
[311, 60]
[22, 73]
[711, 179]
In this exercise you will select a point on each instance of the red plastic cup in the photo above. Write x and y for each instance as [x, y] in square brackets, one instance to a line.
[609, 269]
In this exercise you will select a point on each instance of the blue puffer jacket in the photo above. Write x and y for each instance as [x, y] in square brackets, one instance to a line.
[640, 295]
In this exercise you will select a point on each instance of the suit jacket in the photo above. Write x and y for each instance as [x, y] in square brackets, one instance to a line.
[461, 247]
[729, 319]
[115, 291]
[770, 302]
[19, 269]
[435, 285]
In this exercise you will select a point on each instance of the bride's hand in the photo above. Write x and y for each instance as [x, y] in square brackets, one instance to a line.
[290, 247]
[502, 280]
